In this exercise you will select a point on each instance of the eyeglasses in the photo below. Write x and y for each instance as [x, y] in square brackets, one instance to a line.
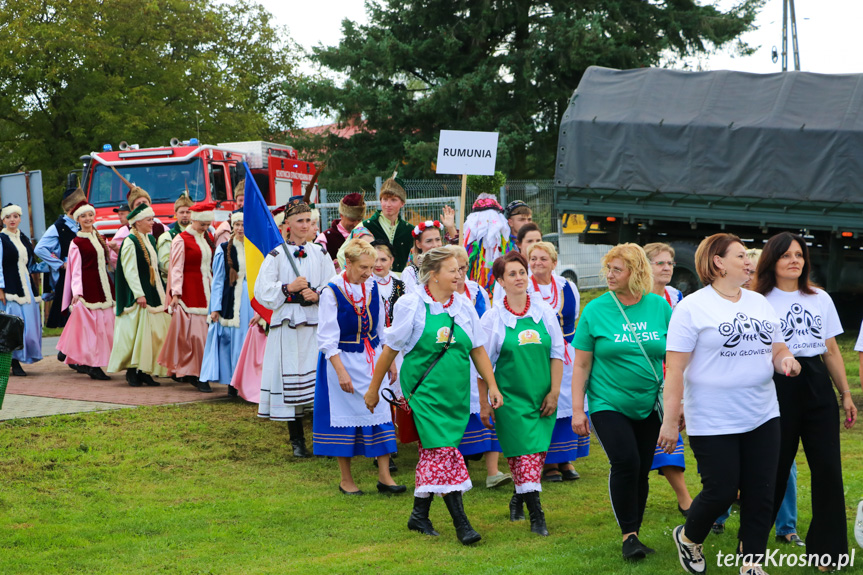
[462, 270]
[614, 271]
[662, 264]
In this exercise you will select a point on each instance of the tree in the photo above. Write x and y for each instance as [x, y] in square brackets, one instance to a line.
[497, 65]
[75, 75]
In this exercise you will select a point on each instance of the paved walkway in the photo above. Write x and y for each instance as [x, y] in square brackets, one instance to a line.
[52, 388]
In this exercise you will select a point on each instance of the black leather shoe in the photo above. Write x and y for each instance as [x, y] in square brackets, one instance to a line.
[463, 530]
[419, 519]
[147, 379]
[357, 492]
[298, 439]
[204, 387]
[391, 489]
[97, 373]
[537, 517]
[17, 370]
[569, 474]
[516, 508]
[132, 378]
[552, 476]
[85, 369]
[232, 391]
[792, 539]
[299, 446]
[61, 357]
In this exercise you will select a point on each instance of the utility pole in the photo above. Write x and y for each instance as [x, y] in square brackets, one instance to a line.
[789, 14]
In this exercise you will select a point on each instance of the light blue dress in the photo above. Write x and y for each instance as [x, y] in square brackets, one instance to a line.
[224, 343]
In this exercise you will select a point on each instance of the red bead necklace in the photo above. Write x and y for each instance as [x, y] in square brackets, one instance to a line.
[445, 305]
[509, 309]
[362, 301]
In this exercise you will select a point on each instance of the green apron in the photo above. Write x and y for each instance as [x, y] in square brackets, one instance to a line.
[523, 375]
[441, 404]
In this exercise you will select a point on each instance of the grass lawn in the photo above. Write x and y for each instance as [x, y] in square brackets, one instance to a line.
[209, 488]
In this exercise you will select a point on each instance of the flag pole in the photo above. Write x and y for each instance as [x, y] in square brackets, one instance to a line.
[461, 208]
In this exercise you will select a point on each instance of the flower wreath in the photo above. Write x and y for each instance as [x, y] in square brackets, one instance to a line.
[423, 226]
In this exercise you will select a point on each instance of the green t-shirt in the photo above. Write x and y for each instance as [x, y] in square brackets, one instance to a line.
[620, 379]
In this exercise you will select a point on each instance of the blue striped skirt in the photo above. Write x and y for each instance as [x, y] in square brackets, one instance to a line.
[477, 438]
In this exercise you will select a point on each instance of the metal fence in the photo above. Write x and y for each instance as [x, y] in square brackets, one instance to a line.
[416, 210]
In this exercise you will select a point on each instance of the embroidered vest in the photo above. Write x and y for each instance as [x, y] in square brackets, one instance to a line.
[91, 270]
[353, 328]
[11, 273]
[566, 315]
[66, 236]
[196, 295]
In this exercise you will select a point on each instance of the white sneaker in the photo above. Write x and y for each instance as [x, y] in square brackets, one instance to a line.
[498, 479]
[754, 570]
[691, 555]
[858, 525]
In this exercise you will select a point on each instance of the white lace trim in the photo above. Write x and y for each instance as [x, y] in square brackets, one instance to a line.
[426, 490]
[528, 488]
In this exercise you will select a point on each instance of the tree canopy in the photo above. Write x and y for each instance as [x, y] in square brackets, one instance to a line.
[75, 75]
[498, 65]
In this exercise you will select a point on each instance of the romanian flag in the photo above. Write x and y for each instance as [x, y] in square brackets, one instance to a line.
[262, 237]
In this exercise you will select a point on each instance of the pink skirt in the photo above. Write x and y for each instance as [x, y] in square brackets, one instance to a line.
[247, 375]
[88, 336]
[183, 350]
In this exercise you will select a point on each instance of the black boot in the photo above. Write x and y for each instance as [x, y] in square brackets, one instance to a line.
[419, 519]
[132, 378]
[516, 508]
[537, 517]
[17, 370]
[463, 529]
[232, 391]
[147, 379]
[298, 438]
[97, 373]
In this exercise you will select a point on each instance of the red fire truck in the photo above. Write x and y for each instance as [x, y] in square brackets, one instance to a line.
[209, 172]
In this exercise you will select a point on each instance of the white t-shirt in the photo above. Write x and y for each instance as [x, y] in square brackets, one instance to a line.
[728, 384]
[806, 321]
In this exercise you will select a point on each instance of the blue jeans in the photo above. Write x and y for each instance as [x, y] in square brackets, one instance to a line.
[786, 520]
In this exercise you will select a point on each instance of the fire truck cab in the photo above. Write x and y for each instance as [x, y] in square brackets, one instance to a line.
[210, 173]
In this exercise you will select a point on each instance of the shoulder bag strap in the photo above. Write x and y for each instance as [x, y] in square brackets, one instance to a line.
[436, 360]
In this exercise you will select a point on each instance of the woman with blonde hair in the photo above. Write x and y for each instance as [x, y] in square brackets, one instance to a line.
[619, 348]
[351, 324]
[440, 333]
[724, 345]
[562, 295]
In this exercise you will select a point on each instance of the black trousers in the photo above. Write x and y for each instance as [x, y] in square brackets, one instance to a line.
[629, 445]
[809, 412]
[728, 463]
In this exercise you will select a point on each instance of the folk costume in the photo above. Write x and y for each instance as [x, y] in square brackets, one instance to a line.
[351, 325]
[441, 404]
[390, 289]
[163, 244]
[88, 336]
[139, 332]
[223, 232]
[520, 346]
[189, 278]
[410, 276]
[291, 356]
[353, 207]
[247, 372]
[225, 337]
[486, 235]
[397, 235]
[478, 439]
[53, 249]
[18, 261]
[563, 297]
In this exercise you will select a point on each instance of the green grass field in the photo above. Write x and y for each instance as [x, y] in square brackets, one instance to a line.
[209, 488]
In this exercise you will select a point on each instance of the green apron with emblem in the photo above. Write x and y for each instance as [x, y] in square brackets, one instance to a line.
[523, 375]
[441, 404]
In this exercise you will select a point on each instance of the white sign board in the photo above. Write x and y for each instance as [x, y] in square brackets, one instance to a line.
[471, 153]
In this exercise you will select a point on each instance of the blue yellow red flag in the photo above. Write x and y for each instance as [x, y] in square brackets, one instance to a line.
[262, 237]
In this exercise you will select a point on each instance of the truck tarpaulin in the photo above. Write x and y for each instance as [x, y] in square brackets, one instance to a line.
[793, 135]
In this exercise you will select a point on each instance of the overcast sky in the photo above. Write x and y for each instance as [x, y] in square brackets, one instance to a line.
[829, 34]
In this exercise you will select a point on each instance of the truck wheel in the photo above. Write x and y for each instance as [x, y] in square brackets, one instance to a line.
[685, 278]
[570, 275]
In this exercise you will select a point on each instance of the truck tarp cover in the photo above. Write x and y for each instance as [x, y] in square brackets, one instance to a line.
[793, 135]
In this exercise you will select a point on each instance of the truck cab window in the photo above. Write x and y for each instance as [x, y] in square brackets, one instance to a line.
[218, 187]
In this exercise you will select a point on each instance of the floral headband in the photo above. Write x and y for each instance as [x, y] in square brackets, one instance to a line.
[423, 226]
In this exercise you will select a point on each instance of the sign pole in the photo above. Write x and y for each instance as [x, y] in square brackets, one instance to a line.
[461, 208]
